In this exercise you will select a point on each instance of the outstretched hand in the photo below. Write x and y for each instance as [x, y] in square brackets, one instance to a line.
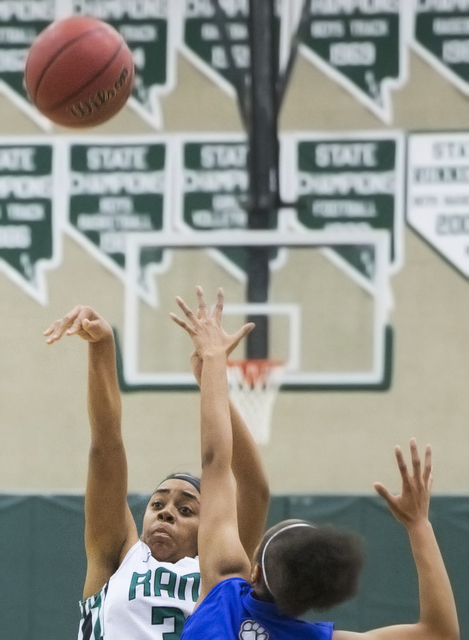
[81, 321]
[205, 328]
[411, 505]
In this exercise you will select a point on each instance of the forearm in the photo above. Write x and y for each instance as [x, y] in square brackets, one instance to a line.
[108, 521]
[437, 607]
[216, 436]
[104, 403]
[247, 463]
[252, 485]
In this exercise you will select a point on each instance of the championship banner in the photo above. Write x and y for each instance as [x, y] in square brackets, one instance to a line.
[212, 185]
[203, 38]
[441, 37]
[20, 22]
[360, 44]
[438, 193]
[345, 183]
[148, 30]
[117, 187]
[29, 242]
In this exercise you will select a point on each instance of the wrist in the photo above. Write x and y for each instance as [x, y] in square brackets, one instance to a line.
[106, 340]
[215, 355]
[419, 527]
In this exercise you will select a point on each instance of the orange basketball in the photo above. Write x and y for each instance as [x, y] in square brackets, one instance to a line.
[79, 72]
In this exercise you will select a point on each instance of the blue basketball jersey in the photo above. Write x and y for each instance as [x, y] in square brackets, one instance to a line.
[230, 612]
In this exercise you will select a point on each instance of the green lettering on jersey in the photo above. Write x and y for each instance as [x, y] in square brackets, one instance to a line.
[167, 584]
[170, 619]
[139, 579]
[195, 586]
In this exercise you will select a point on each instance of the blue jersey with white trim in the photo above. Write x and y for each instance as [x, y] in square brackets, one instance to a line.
[230, 612]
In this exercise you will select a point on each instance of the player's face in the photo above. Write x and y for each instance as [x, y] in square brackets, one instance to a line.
[171, 521]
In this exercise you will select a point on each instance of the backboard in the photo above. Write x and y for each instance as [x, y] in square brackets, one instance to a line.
[329, 330]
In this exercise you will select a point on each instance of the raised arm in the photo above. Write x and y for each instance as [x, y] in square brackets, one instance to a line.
[220, 550]
[438, 618]
[109, 526]
[251, 480]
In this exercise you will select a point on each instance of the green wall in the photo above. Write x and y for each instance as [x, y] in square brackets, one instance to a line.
[42, 560]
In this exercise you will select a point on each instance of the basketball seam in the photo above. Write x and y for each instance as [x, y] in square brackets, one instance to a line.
[72, 95]
[59, 52]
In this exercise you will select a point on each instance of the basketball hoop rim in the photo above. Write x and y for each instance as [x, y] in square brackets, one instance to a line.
[261, 362]
[256, 371]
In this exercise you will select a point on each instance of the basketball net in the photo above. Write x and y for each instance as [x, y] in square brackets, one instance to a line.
[253, 387]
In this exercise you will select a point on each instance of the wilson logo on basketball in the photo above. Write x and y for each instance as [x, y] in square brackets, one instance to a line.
[85, 108]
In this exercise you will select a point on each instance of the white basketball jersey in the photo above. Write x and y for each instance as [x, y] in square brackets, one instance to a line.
[143, 600]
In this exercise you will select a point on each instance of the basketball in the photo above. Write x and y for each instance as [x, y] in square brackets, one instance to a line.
[79, 72]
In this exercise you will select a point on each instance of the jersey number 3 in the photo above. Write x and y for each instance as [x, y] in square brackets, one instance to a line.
[170, 620]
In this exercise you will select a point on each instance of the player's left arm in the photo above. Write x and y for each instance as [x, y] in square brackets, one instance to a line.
[253, 493]
[438, 617]
[221, 553]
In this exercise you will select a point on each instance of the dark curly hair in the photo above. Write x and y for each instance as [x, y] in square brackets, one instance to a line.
[308, 567]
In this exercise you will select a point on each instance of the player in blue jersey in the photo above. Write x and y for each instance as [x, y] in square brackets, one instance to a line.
[297, 566]
[143, 587]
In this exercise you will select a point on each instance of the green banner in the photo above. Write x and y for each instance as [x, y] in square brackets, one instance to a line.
[20, 22]
[26, 214]
[360, 45]
[146, 28]
[214, 41]
[352, 182]
[116, 189]
[213, 188]
[442, 37]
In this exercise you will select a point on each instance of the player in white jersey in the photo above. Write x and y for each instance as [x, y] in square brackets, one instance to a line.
[142, 588]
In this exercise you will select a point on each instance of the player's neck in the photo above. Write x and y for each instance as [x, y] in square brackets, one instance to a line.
[259, 592]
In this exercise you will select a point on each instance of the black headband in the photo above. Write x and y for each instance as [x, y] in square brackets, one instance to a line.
[194, 481]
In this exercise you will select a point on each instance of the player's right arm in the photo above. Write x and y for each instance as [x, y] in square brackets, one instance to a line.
[438, 617]
[110, 529]
[252, 485]
[221, 552]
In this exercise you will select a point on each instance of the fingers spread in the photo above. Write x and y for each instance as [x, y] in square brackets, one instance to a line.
[239, 335]
[383, 492]
[185, 308]
[245, 330]
[218, 309]
[202, 304]
[402, 465]
[427, 470]
[415, 458]
[181, 323]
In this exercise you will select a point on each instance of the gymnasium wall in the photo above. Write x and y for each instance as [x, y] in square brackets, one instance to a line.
[427, 397]
[326, 447]
[43, 561]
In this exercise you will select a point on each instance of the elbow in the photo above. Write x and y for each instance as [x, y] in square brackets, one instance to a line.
[446, 632]
[207, 458]
[212, 457]
[262, 492]
[455, 634]
[450, 635]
